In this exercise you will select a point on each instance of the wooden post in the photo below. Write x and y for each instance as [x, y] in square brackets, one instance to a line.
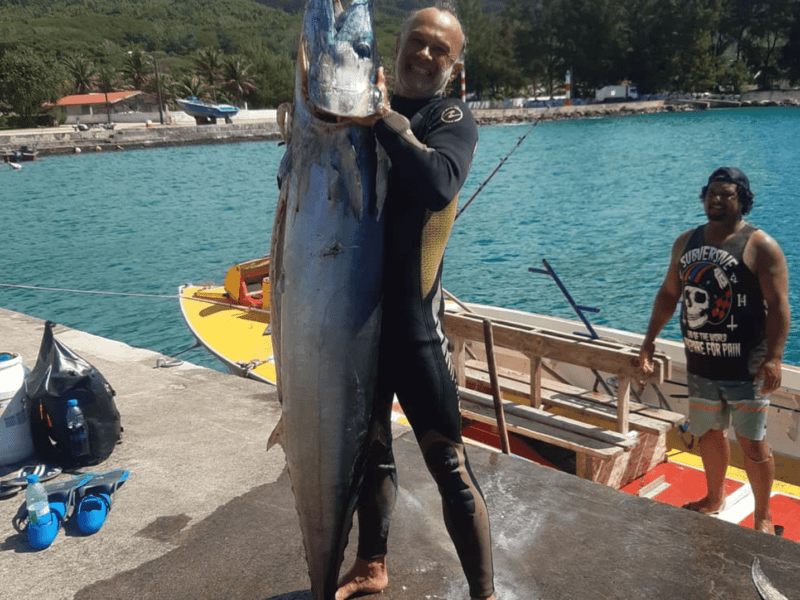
[498, 402]
[536, 381]
[623, 395]
[458, 360]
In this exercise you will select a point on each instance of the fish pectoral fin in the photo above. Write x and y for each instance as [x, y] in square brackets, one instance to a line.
[276, 437]
[402, 126]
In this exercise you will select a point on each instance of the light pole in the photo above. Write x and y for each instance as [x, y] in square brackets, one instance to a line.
[158, 90]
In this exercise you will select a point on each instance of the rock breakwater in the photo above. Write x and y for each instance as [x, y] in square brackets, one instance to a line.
[593, 111]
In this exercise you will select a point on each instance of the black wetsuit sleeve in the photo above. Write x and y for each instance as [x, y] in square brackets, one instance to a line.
[433, 165]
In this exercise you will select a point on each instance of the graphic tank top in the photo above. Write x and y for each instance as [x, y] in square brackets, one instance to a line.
[723, 314]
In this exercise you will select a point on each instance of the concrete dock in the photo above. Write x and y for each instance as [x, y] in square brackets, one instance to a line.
[208, 513]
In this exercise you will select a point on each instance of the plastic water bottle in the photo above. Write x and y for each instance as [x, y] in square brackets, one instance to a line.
[76, 425]
[36, 501]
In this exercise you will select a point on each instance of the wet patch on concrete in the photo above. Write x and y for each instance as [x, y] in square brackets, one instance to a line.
[166, 529]
[248, 548]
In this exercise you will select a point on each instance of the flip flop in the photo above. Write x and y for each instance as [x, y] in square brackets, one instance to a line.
[8, 492]
[61, 497]
[11, 486]
[94, 499]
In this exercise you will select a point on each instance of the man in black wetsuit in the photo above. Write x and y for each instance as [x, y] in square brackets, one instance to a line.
[430, 141]
[733, 282]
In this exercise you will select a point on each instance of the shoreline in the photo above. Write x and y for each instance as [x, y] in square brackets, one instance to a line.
[65, 139]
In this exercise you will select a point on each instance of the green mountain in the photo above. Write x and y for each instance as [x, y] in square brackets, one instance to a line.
[177, 27]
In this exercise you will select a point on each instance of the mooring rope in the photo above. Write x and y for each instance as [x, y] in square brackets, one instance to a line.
[162, 362]
[98, 293]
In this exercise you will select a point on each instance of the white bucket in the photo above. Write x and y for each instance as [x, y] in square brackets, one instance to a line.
[16, 443]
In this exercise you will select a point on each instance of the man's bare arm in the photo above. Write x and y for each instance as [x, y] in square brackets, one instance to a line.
[773, 277]
[664, 305]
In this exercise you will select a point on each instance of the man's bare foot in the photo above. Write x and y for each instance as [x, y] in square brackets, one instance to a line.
[705, 506]
[364, 577]
[492, 597]
[764, 525]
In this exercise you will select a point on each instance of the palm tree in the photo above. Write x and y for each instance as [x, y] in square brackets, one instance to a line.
[137, 69]
[237, 79]
[107, 82]
[192, 85]
[208, 65]
[170, 89]
[81, 72]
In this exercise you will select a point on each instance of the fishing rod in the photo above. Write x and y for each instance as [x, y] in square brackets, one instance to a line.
[502, 162]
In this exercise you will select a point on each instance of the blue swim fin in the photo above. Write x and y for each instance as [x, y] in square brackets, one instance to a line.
[61, 497]
[94, 499]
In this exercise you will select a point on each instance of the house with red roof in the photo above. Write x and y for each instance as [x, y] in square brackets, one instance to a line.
[91, 108]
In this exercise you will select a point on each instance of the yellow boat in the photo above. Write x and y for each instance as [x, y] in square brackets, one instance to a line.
[232, 320]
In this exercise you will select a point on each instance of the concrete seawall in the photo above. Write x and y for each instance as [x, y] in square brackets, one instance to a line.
[67, 140]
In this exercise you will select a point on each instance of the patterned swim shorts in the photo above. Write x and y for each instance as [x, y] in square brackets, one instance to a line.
[718, 404]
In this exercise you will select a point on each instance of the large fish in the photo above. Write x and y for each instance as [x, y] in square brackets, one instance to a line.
[325, 277]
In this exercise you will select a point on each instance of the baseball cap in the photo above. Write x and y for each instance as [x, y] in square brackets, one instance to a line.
[730, 175]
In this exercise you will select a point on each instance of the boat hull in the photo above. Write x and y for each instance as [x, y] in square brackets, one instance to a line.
[783, 430]
[238, 336]
[205, 110]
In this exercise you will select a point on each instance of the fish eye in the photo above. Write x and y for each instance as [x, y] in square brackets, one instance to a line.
[363, 50]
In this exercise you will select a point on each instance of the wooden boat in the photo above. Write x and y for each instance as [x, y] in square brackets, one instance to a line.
[568, 401]
[207, 112]
[232, 321]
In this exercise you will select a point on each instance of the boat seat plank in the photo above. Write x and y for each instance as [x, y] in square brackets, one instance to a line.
[642, 417]
[646, 410]
[547, 427]
[602, 355]
[668, 418]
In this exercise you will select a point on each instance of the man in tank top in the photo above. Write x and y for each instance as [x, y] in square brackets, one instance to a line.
[733, 284]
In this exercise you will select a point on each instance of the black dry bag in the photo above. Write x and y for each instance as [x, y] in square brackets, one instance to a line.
[59, 376]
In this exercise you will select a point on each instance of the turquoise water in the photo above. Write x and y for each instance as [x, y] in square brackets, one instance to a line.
[601, 200]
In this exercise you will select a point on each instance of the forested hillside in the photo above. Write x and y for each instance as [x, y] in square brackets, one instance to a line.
[171, 26]
[243, 50]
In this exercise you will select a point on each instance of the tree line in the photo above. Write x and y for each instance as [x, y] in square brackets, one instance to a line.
[240, 51]
[661, 46]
